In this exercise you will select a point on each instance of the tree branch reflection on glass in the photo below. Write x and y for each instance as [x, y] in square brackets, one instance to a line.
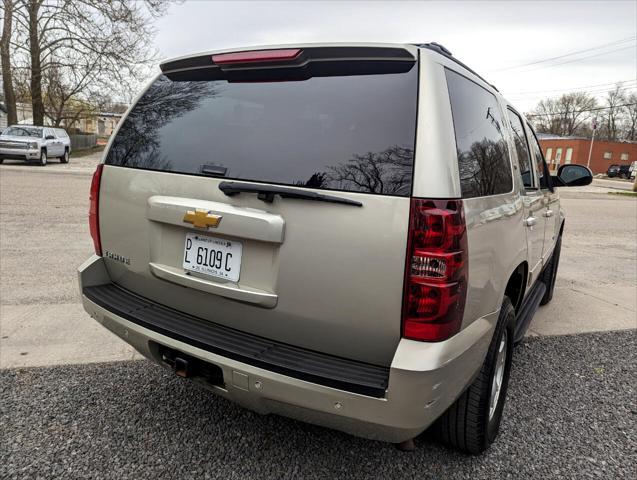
[483, 169]
[387, 172]
[138, 140]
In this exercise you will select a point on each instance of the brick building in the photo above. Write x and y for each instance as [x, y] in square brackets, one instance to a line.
[561, 150]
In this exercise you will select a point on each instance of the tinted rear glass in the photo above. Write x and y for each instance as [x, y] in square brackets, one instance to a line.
[483, 158]
[353, 133]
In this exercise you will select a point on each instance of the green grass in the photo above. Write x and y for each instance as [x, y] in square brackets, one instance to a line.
[86, 151]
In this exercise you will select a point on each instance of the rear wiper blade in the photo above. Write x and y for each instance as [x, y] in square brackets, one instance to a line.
[267, 193]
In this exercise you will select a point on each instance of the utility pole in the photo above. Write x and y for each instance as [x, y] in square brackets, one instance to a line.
[590, 151]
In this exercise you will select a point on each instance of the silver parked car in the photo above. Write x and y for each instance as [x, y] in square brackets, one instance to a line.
[31, 143]
[351, 235]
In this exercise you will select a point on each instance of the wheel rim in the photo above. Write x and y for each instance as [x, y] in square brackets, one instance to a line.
[43, 158]
[498, 375]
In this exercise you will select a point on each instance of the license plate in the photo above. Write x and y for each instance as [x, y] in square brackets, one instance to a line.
[213, 256]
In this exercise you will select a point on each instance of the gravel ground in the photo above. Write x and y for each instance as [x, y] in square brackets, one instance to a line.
[571, 414]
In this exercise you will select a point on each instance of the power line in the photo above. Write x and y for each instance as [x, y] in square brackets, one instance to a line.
[578, 88]
[598, 92]
[579, 59]
[580, 111]
[617, 42]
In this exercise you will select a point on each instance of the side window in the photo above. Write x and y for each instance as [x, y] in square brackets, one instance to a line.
[538, 161]
[522, 149]
[483, 158]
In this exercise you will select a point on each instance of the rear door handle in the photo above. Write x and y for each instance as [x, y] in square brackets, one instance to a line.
[530, 221]
[548, 213]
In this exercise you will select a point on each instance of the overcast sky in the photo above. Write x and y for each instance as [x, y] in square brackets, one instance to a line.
[491, 37]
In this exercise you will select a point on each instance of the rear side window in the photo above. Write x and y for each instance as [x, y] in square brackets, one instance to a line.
[354, 133]
[540, 165]
[483, 158]
[521, 148]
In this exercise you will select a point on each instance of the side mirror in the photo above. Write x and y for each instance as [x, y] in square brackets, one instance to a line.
[49, 137]
[572, 175]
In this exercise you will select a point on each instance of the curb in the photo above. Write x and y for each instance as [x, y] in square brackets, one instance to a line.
[45, 170]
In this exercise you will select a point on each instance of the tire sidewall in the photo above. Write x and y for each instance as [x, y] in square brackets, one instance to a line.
[43, 158]
[506, 322]
[65, 157]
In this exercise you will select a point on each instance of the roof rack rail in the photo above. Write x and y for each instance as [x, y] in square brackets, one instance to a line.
[438, 48]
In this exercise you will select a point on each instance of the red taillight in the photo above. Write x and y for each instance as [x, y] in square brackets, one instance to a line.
[257, 56]
[436, 270]
[93, 210]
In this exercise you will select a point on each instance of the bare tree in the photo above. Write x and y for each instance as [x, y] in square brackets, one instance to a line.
[35, 49]
[61, 93]
[565, 115]
[5, 58]
[613, 114]
[89, 44]
[630, 123]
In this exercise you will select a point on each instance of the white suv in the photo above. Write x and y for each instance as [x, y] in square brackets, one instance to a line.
[31, 143]
[351, 235]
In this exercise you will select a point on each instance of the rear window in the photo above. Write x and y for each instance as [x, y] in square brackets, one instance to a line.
[483, 158]
[354, 133]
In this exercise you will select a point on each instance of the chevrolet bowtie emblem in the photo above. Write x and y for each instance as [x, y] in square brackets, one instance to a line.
[202, 218]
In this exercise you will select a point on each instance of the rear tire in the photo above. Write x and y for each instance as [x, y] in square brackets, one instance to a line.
[472, 423]
[550, 272]
[65, 158]
[43, 158]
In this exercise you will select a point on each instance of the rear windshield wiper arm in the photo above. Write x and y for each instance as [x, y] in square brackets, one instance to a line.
[267, 193]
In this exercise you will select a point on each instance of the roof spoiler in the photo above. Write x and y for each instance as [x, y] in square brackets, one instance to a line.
[310, 59]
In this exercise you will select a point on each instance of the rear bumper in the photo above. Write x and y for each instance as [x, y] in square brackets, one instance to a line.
[422, 381]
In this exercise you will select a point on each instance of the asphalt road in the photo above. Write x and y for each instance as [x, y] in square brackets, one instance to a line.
[614, 183]
[571, 413]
